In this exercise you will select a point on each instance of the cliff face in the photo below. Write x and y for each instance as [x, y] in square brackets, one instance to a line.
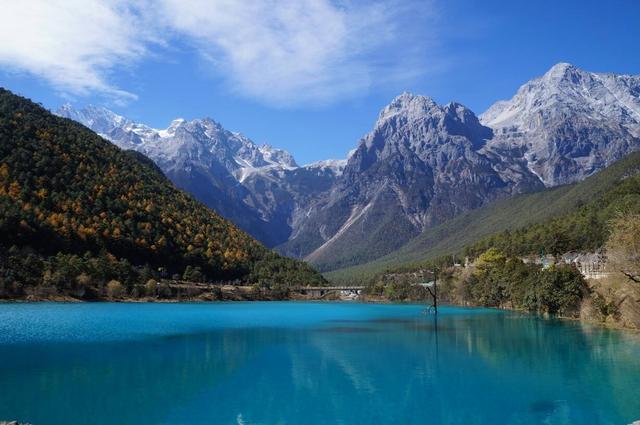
[420, 165]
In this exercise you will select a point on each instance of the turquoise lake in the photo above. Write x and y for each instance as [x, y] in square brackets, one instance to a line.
[309, 363]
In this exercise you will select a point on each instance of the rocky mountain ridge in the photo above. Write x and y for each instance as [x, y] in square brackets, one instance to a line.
[421, 164]
[567, 124]
[255, 186]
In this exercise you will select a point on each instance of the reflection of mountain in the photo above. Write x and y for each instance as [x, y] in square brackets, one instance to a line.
[488, 367]
[565, 358]
[120, 382]
[390, 372]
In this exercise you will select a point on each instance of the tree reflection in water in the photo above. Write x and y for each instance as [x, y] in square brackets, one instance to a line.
[465, 366]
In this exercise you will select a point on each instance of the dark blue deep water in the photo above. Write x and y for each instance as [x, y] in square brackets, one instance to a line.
[309, 363]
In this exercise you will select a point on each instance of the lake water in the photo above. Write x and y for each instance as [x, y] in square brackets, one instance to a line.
[309, 363]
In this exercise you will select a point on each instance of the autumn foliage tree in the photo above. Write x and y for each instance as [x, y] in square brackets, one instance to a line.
[623, 245]
[65, 190]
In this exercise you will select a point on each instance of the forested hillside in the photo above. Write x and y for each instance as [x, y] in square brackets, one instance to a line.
[600, 214]
[571, 217]
[77, 212]
[585, 229]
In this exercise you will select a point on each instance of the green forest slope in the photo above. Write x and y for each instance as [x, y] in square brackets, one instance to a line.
[74, 209]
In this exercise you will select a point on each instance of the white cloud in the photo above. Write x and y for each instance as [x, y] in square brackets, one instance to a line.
[277, 51]
[73, 44]
[292, 51]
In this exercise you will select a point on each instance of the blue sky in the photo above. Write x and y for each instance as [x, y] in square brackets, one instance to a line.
[309, 76]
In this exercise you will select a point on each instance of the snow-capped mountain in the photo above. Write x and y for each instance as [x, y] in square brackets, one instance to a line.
[424, 163]
[335, 166]
[224, 169]
[421, 164]
[197, 139]
[568, 123]
[97, 118]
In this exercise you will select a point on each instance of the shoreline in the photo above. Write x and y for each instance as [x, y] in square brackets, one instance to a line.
[228, 294]
[299, 297]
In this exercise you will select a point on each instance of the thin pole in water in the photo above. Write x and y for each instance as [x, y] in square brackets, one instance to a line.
[435, 291]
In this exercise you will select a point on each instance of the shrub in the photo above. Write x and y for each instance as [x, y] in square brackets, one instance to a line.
[556, 290]
[605, 308]
[623, 245]
[193, 274]
[114, 289]
[83, 280]
[151, 288]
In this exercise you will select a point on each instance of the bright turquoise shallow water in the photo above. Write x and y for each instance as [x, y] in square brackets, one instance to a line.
[308, 363]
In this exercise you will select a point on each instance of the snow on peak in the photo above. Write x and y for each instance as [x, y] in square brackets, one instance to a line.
[171, 130]
[566, 86]
[66, 109]
[177, 122]
[409, 106]
[277, 156]
[98, 118]
[554, 112]
[560, 69]
[204, 141]
[336, 166]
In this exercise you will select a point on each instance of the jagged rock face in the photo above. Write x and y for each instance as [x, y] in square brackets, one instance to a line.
[567, 124]
[426, 155]
[424, 163]
[420, 166]
[257, 187]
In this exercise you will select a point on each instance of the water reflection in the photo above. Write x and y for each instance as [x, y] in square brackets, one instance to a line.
[462, 367]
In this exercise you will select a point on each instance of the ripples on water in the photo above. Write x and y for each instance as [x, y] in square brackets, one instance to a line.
[309, 363]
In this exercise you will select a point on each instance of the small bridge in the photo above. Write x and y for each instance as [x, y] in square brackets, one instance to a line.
[314, 291]
[320, 291]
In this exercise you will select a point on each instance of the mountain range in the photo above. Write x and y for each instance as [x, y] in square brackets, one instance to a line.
[421, 164]
[572, 217]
